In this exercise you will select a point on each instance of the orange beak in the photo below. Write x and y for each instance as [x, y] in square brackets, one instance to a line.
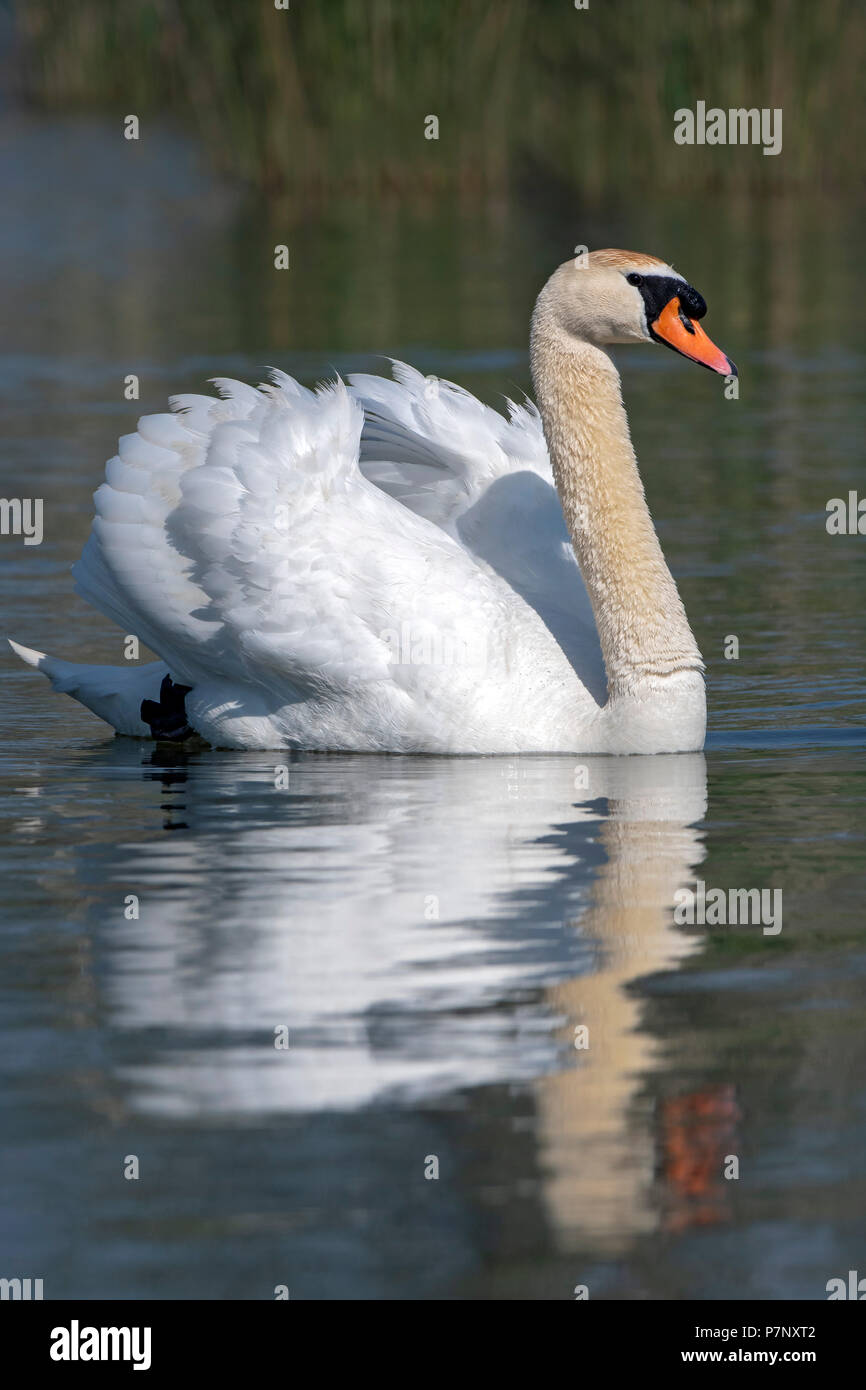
[684, 335]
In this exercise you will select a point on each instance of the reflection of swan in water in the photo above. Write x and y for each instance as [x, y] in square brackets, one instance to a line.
[315, 908]
[600, 1173]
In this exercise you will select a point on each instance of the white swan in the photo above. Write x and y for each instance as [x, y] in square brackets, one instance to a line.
[387, 567]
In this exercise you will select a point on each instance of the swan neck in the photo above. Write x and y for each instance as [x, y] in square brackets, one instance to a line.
[640, 617]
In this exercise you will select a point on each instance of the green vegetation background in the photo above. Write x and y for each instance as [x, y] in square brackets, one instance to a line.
[331, 95]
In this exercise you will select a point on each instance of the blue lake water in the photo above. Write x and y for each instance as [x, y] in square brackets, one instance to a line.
[428, 933]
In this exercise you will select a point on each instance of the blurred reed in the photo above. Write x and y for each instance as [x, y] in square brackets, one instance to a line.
[331, 95]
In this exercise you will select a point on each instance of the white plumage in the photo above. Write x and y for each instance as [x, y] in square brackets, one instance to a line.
[321, 589]
[386, 566]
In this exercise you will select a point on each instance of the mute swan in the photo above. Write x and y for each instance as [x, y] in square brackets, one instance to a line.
[387, 567]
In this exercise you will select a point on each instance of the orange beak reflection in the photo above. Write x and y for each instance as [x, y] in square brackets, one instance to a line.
[686, 336]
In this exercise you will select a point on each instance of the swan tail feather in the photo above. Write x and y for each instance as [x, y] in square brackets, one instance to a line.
[113, 693]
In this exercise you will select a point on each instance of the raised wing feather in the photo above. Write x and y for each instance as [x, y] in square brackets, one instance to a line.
[239, 539]
[485, 479]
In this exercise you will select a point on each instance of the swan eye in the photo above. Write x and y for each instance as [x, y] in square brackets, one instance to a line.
[634, 278]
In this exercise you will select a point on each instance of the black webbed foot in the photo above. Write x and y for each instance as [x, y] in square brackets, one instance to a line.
[167, 716]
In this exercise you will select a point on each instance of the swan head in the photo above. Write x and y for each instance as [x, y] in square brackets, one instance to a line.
[612, 296]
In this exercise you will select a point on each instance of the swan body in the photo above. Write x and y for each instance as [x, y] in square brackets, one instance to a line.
[391, 566]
